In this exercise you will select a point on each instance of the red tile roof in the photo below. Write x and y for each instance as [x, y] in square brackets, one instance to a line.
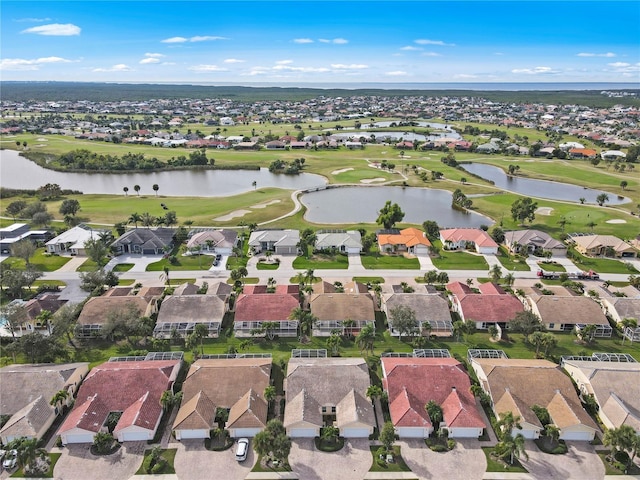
[485, 307]
[267, 307]
[409, 237]
[475, 235]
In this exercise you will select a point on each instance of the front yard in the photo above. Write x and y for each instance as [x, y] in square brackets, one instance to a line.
[41, 261]
[377, 261]
[319, 261]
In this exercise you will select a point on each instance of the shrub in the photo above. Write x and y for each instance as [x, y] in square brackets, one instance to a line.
[438, 448]
[451, 444]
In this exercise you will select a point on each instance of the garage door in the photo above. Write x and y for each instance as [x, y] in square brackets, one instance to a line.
[184, 434]
[133, 436]
[355, 432]
[244, 432]
[79, 438]
[583, 436]
[528, 434]
[412, 433]
[303, 433]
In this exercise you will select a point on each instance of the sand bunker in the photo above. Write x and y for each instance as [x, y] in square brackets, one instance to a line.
[342, 170]
[544, 211]
[616, 220]
[264, 205]
[232, 215]
[372, 180]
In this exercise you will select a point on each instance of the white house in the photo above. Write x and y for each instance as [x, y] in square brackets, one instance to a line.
[72, 241]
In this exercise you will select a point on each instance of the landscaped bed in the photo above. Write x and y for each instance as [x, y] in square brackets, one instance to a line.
[381, 465]
[494, 465]
[158, 462]
[53, 459]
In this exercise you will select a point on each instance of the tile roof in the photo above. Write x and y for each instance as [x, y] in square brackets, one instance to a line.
[485, 307]
[475, 235]
[342, 306]
[302, 407]
[223, 238]
[146, 237]
[98, 309]
[42, 302]
[425, 305]
[250, 411]
[278, 237]
[267, 307]
[191, 308]
[29, 421]
[534, 237]
[595, 241]
[199, 413]
[409, 237]
[350, 239]
[569, 309]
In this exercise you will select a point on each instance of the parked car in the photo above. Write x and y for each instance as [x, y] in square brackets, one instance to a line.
[242, 449]
[10, 460]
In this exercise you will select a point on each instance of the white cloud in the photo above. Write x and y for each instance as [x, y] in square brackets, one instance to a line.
[340, 41]
[289, 68]
[463, 76]
[120, 67]
[207, 68]
[396, 73]
[302, 40]
[197, 38]
[32, 64]
[619, 64]
[149, 60]
[154, 55]
[431, 54]
[625, 68]
[424, 41]
[284, 62]
[55, 29]
[535, 71]
[410, 48]
[233, 60]
[32, 20]
[588, 54]
[352, 66]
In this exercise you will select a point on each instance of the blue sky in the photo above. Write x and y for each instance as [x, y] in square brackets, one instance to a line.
[244, 42]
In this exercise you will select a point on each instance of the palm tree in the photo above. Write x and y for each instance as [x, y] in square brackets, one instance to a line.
[137, 189]
[330, 434]
[435, 414]
[28, 451]
[254, 184]
[201, 331]
[166, 274]
[59, 397]
[147, 219]
[628, 323]
[591, 225]
[508, 422]
[511, 447]
[333, 344]
[366, 338]
[156, 187]
[135, 218]
[305, 319]
[347, 326]
[269, 393]
[126, 191]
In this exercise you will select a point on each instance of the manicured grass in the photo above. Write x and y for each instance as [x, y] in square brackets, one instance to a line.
[268, 266]
[192, 262]
[320, 261]
[369, 280]
[551, 267]
[602, 265]
[123, 267]
[449, 260]
[611, 470]
[57, 283]
[54, 457]
[259, 468]
[510, 262]
[494, 466]
[125, 282]
[88, 266]
[397, 466]
[41, 261]
[168, 454]
[377, 261]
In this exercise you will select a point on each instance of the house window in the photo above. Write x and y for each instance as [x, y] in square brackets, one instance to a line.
[328, 410]
[552, 326]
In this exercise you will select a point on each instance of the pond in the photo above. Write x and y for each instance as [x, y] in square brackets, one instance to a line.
[21, 173]
[361, 204]
[539, 188]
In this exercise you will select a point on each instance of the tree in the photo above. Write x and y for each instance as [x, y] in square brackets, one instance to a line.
[64, 321]
[155, 188]
[389, 215]
[431, 276]
[170, 219]
[508, 421]
[403, 320]
[549, 342]
[431, 229]
[628, 323]
[97, 251]
[329, 433]
[24, 249]
[526, 322]
[69, 207]
[94, 282]
[524, 209]
[103, 442]
[270, 393]
[623, 184]
[435, 414]
[147, 219]
[126, 191]
[15, 315]
[602, 199]
[137, 189]
[496, 273]
[536, 339]
[366, 338]
[588, 332]
[272, 442]
[306, 320]
[16, 280]
[511, 448]
[38, 348]
[269, 329]
[509, 278]
[28, 452]
[374, 391]
[60, 397]
[201, 331]
[497, 233]
[388, 436]
[333, 344]
[41, 219]
[123, 322]
[14, 209]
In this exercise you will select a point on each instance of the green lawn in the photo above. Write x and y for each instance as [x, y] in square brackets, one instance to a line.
[54, 457]
[602, 265]
[268, 266]
[41, 261]
[57, 283]
[397, 466]
[366, 280]
[511, 262]
[449, 260]
[551, 267]
[168, 454]
[377, 261]
[192, 262]
[494, 466]
[88, 266]
[321, 261]
[123, 267]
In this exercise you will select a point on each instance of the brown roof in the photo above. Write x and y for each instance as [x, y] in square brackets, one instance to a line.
[199, 413]
[425, 306]
[250, 411]
[342, 306]
[191, 308]
[97, 309]
[569, 309]
[47, 301]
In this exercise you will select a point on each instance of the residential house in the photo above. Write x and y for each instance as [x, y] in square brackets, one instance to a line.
[582, 153]
[410, 240]
[333, 309]
[181, 313]
[98, 311]
[322, 391]
[281, 242]
[72, 241]
[341, 241]
[615, 386]
[275, 145]
[564, 312]
[144, 241]
[431, 311]
[254, 309]
[27, 391]
[603, 246]
[411, 383]
[621, 308]
[214, 241]
[516, 385]
[17, 232]
[462, 238]
[32, 309]
[492, 306]
[221, 289]
[132, 389]
[533, 241]
[234, 384]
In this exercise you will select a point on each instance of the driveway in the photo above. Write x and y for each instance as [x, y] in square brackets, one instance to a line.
[465, 462]
[140, 262]
[350, 463]
[77, 462]
[579, 463]
[194, 462]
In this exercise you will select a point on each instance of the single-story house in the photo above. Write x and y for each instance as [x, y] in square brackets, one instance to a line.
[234, 384]
[254, 309]
[32, 309]
[281, 242]
[145, 241]
[461, 238]
[563, 312]
[582, 153]
[27, 391]
[411, 383]
[614, 385]
[431, 309]
[603, 245]
[533, 241]
[72, 241]
[516, 385]
[183, 312]
[99, 310]
[333, 309]
[492, 306]
[620, 308]
[321, 391]
[410, 240]
[132, 389]
[17, 232]
[275, 145]
[344, 242]
[214, 241]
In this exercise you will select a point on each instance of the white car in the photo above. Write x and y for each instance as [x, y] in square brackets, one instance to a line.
[242, 449]
[11, 460]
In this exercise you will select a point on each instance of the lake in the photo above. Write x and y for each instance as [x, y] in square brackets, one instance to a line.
[539, 188]
[361, 204]
[19, 172]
